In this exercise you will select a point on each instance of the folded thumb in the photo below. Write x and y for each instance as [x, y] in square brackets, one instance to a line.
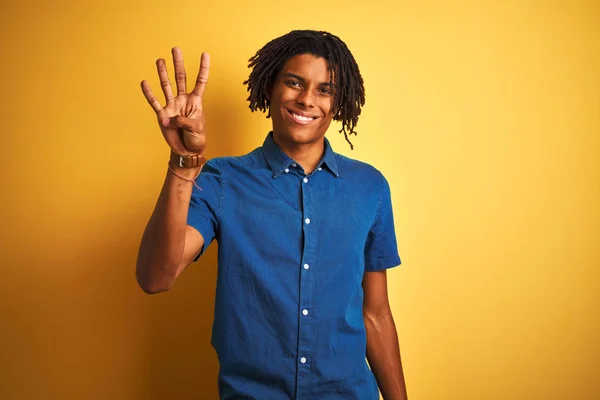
[179, 121]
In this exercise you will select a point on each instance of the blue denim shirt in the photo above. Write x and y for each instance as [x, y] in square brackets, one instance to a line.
[293, 249]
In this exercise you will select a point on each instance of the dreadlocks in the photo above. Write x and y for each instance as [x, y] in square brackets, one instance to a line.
[349, 93]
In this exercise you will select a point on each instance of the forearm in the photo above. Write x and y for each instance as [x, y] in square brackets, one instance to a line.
[163, 241]
[383, 354]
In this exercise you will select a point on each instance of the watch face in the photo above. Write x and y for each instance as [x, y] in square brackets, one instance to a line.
[181, 162]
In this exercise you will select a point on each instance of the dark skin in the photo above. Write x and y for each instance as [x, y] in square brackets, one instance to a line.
[383, 351]
[301, 109]
[301, 104]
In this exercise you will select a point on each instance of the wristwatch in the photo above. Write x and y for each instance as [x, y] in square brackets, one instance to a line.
[192, 161]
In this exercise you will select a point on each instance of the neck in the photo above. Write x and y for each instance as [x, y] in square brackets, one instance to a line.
[306, 155]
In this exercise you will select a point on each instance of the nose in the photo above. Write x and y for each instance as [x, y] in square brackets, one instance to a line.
[306, 98]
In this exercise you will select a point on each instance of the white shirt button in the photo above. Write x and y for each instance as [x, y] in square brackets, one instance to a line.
[287, 170]
[303, 360]
[307, 221]
[320, 169]
[305, 180]
[305, 312]
[306, 266]
[294, 165]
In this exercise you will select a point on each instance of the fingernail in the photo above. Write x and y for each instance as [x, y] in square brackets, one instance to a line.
[165, 122]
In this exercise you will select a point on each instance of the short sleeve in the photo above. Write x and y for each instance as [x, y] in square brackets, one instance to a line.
[381, 250]
[206, 203]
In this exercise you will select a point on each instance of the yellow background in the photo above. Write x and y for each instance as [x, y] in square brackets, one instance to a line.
[484, 116]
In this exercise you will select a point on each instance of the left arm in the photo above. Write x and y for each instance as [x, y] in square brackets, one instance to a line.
[383, 350]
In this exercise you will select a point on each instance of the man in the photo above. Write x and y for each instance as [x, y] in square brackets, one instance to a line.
[305, 235]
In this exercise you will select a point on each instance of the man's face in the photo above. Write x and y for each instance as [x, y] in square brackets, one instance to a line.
[302, 100]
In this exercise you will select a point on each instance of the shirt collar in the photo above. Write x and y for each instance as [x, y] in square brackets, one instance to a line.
[279, 161]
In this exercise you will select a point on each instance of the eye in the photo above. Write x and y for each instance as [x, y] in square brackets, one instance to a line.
[292, 83]
[325, 91]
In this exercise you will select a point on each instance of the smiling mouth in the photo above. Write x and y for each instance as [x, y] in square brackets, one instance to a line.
[301, 119]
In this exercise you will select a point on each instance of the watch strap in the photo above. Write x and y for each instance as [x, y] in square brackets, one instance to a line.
[192, 161]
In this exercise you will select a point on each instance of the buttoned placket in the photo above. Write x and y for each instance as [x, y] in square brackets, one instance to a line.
[306, 307]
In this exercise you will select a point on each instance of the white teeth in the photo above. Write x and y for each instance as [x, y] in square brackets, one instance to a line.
[302, 118]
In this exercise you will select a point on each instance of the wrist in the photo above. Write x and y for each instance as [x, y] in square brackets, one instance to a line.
[187, 173]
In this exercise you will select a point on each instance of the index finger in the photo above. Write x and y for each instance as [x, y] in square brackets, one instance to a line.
[202, 75]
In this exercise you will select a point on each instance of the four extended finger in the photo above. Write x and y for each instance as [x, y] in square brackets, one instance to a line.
[180, 77]
[202, 79]
[154, 103]
[165, 83]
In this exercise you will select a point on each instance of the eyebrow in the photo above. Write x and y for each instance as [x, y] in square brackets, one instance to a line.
[301, 79]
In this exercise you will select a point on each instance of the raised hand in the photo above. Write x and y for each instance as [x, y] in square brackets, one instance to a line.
[181, 120]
